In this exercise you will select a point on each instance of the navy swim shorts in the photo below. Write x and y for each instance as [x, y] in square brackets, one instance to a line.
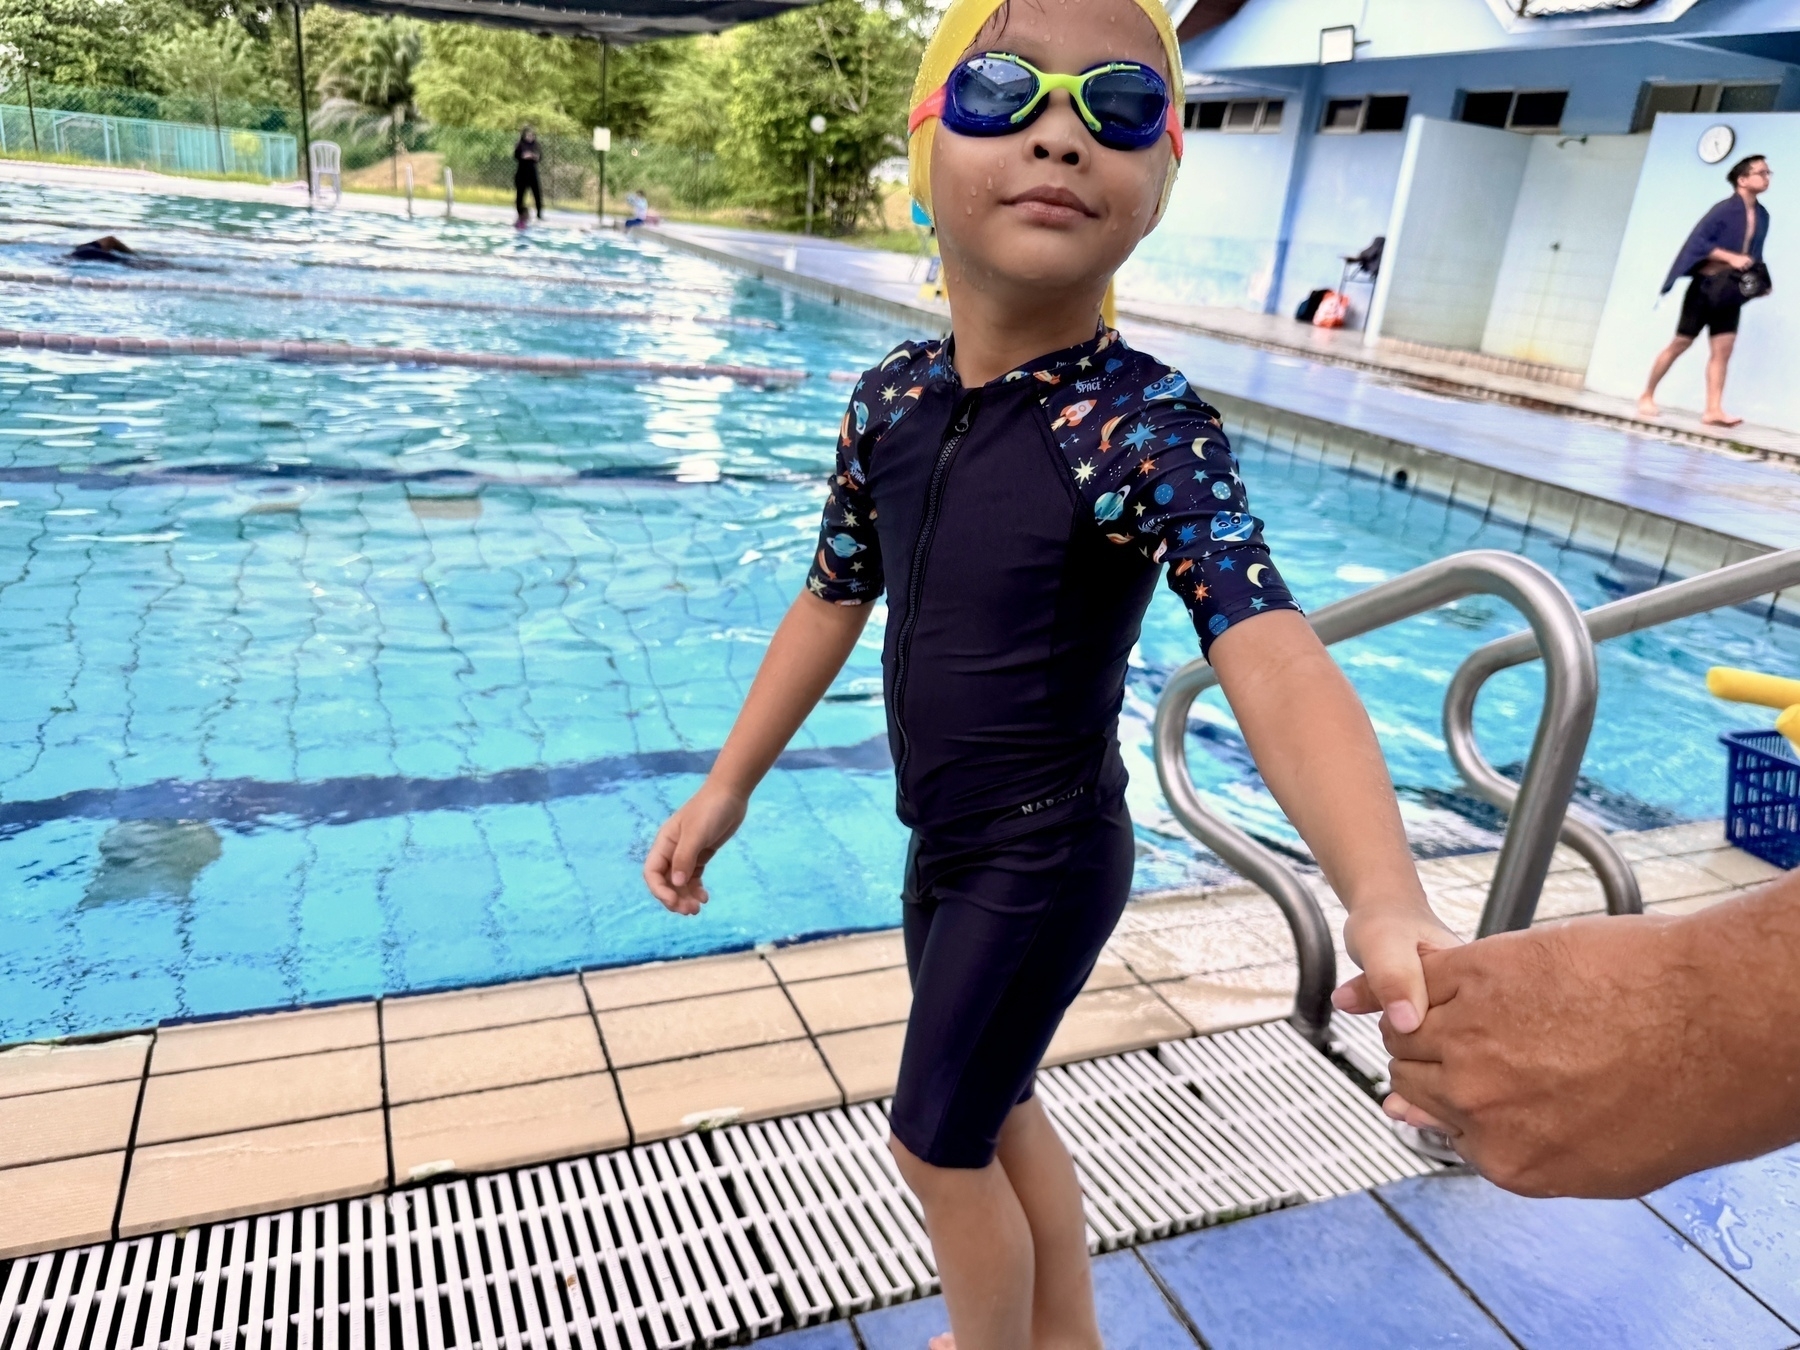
[998, 943]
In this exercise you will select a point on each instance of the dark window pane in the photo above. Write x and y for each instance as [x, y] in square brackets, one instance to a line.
[1387, 112]
[1748, 98]
[1241, 115]
[1211, 116]
[1488, 108]
[1271, 118]
[1539, 109]
[1342, 114]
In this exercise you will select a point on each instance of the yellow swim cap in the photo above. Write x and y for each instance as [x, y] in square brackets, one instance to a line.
[955, 31]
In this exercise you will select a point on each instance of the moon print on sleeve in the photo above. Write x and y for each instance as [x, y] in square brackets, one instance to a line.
[1136, 469]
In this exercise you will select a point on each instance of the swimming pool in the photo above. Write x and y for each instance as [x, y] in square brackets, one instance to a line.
[326, 681]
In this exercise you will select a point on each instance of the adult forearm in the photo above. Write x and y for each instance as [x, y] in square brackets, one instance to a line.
[804, 657]
[1744, 992]
[1318, 754]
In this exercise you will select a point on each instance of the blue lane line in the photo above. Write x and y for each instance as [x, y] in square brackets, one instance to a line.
[1588, 1273]
[1744, 1217]
[339, 801]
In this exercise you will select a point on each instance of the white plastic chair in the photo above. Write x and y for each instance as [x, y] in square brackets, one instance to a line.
[327, 161]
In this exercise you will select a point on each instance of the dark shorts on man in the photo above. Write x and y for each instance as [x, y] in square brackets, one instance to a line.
[1698, 312]
[999, 941]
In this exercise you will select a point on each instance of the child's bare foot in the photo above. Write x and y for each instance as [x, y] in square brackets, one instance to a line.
[1647, 407]
[943, 1341]
[1721, 419]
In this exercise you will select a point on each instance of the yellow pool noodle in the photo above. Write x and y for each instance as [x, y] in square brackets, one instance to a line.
[1748, 686]
[1788, 724]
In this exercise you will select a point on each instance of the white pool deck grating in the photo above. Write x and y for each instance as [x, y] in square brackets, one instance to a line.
[710, 1238]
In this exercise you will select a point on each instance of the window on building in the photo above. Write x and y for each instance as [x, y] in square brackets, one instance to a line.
[1386, 112]
[1656, 98]
[1378, 112]
[1514, 109]
[1747, 98]
[1236, 114]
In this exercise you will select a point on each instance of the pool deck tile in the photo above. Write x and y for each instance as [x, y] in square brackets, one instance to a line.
[1232, 998]
[1593, 1273]
[839, 956]
[866, 1062]
[664, 981]
[50, 1068]
[59, 1204]
[699, 1026]
[1211, 943]
[1110, 972]
[1743, 1217]
[829, 1336]
[1112, 1021]
[667, 1099]
[1673, 879]
[230, 1175]
[846, 1002]
[409, 1018]
[49, 1126]
[237, 1097]
[1347, 1276]
[239, 1040]
[508, 1127]
[475, 1061]
[1735, 866]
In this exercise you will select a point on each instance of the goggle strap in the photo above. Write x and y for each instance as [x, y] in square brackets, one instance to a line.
[932, 105]
[1172, 121]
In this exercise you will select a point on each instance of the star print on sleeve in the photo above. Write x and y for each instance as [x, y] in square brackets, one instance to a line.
[846, 567]
[1159, 474]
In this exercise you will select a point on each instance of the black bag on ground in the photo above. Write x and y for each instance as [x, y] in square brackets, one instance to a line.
[1310, 305]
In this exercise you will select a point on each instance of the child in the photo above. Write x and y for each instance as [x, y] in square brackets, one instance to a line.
[1015, 490]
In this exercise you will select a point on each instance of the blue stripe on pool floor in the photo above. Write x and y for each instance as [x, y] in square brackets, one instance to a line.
[1446, 1260]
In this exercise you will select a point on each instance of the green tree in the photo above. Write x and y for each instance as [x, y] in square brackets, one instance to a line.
[369, 88]
[696, 83]
[81, 42]
[846, 61]
[497, 80]
[211, 61]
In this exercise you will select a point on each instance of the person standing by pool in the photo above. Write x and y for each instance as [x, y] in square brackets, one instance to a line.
[1727, 242]
[1022, 484]
[526, 156]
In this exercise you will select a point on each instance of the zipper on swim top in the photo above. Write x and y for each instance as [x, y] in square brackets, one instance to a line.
[934, 496]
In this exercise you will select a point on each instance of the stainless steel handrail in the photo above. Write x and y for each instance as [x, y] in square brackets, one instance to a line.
[1572, 688]
[1678, 600]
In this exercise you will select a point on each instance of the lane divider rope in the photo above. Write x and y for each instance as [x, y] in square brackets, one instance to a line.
[401, 301]
[341, 353]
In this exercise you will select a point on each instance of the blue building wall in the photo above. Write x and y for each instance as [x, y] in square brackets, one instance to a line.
[1219, 243]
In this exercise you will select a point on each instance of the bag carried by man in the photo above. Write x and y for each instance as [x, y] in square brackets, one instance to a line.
[1736, 285]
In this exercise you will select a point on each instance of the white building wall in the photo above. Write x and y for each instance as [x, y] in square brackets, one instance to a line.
[1562, 247]
[1453, 207]
[1674, 191]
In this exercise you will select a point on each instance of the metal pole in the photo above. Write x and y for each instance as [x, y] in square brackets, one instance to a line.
[218, 136]
[1682, 599]
[1572, 687]
[31, 113]
[300, 83]
[409, 189]
[809, 193]
[600, 196]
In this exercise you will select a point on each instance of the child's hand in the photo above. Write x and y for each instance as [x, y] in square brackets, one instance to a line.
[687, 842]
[1386, 941]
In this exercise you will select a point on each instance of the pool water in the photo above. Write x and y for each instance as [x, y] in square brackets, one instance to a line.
[329, 681]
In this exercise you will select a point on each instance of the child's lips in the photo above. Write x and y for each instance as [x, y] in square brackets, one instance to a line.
[1051, 205]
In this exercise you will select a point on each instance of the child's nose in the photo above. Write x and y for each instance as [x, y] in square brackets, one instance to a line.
[1058, 132]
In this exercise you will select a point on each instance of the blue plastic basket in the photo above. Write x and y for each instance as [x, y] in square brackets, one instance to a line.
[1762, 796]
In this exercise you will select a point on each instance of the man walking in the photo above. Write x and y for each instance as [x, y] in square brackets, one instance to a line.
[1729, 238]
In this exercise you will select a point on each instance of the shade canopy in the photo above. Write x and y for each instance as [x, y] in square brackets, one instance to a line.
[618, 21]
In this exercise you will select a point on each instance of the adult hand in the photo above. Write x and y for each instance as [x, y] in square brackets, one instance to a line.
[1598, 1057]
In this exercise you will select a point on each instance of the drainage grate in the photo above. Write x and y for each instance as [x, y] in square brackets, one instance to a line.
[710, 1238]
[1356, 1039]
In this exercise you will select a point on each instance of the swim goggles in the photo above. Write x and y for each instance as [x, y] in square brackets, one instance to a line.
[1123, 104]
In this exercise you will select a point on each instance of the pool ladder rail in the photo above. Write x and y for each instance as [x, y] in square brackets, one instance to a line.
[1538, 807]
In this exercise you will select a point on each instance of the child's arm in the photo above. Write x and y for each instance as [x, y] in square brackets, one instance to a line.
[1318, 754]
[808, 650]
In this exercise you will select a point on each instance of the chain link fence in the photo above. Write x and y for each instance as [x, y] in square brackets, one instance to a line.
[227, 137]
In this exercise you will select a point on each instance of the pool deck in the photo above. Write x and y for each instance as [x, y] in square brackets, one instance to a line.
[188, 1123]
[1330, 379]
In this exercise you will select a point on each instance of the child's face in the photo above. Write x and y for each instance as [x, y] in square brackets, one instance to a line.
[1049, 207]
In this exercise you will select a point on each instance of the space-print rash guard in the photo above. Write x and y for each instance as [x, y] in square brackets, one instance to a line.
[1018, 529]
